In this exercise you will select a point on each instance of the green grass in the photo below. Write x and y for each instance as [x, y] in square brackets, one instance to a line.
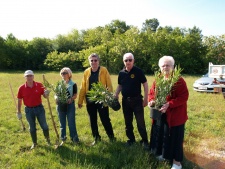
[206, 125]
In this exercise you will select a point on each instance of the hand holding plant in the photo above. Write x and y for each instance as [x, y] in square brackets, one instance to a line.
[60, 90]
[100, 94]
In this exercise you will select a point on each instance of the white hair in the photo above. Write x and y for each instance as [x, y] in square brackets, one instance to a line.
[168, 59]
[127, 55]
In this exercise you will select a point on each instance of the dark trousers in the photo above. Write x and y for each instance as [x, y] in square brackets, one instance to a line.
[131, 108]
[156, 135]
[92, 110]
[173, 142]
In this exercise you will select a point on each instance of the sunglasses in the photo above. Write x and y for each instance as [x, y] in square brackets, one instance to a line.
[94, 60]
[130, 60]
[64, 73]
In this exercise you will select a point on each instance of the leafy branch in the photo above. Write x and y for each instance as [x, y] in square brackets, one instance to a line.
[60, 90]
[100, 94]
[164, 85]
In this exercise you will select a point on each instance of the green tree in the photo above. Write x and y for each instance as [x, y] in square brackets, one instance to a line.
[150, 25]
[215, 49]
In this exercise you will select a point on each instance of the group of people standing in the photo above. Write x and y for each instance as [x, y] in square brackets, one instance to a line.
[166, 140]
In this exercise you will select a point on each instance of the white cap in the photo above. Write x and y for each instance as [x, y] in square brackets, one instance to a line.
[28, 72]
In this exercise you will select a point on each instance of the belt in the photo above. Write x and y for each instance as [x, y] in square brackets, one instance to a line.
[35, 106]
[130, 98]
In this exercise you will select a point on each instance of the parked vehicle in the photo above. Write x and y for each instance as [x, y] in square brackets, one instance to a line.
[208, 84]
[213, 81]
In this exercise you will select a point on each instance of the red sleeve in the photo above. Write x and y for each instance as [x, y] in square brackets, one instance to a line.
[151, 94]
[179, 95]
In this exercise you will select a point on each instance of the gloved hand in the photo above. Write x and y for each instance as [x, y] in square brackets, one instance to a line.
[19, 115]
[46, 93]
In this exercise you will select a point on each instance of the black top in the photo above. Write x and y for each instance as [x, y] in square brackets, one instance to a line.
[131, 81]
[93, 78]
[74, 90]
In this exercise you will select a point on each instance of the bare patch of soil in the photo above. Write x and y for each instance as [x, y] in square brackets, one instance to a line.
[210, 154]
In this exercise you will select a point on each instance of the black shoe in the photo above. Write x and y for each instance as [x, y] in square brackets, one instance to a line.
[33, 146]
[145, 146]
[130, 143]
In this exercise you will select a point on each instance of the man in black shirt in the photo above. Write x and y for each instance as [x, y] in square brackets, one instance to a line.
[129, 84]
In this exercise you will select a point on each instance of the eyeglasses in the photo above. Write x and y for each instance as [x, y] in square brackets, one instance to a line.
[94, 60]
[64, 73]
[130, 60]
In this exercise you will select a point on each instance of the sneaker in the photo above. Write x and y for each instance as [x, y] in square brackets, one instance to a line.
[33, 146]
[160, 158]
[61, 144]
[176, 166]
[96, 141]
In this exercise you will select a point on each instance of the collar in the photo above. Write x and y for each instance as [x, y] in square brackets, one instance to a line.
[34, 84]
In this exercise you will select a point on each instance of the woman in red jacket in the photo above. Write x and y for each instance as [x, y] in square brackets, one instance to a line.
[167, 138]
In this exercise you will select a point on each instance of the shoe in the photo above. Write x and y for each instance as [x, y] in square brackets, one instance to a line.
[76, 142]
[129, 143]
[61, 144]
[33, 146]
[145, 146]
[176, 166]
[160, 158]
[96, 141]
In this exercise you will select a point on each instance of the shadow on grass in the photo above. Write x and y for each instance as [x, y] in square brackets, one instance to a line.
[113, 155]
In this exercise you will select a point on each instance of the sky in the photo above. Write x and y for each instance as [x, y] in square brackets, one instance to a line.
[27, 19]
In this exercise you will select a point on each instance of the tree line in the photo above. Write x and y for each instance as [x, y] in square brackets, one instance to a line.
[190, 49]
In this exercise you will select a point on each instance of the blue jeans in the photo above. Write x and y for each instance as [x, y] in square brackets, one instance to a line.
[70, 116]
[33, 113]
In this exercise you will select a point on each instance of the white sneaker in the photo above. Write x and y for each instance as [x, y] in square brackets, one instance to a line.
[160, 158]
[176, 166]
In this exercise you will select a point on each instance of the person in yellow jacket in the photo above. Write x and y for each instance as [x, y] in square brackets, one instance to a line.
[96, 73]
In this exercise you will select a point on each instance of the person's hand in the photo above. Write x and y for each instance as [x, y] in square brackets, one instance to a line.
[19, 115]
[70, 100]
[80, 106]
[145, 102]
[116, 96]
[164, 108]
[151, 103]
[46, 92]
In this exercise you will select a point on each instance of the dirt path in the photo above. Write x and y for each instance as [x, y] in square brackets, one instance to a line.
[208, 159]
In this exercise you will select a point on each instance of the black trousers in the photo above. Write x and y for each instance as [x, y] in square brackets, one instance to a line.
[167, 141]
[92, 110]
[173, 142]
[133, 107]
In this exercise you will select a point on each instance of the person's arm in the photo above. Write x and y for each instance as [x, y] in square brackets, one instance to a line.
[19, 104]
[145, 102]
[118, 90]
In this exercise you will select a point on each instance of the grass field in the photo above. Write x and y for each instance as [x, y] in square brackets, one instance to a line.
[204, 138]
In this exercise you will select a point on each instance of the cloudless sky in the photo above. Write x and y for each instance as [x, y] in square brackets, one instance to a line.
[27, 19]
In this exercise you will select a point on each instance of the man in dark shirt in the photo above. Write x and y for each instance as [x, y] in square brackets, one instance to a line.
[129, 83]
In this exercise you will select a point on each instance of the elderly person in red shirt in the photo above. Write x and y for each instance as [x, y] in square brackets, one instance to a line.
[167, 139]
[30, 93]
